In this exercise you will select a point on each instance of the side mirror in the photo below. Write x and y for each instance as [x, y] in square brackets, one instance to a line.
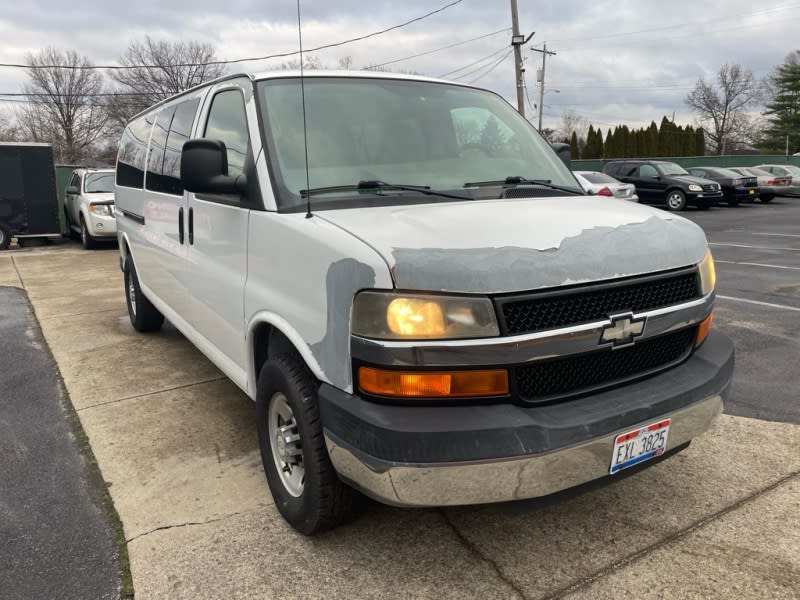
[72, 189]
[204, 169]
[563, 152]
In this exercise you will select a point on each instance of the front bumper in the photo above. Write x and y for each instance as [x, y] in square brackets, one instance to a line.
[450, 455]
[704, 198]
[100, 227]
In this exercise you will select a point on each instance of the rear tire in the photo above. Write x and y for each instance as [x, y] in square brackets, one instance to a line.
[5, 236]
[143, 315]
[305, 487]
[767, 199]
[733, 203]
[676, 200]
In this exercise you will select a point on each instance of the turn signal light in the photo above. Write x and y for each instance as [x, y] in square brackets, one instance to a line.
[703, 329]
[433, 384]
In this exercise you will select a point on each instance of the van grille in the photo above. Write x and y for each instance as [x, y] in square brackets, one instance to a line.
[551, 310]
[553, 379]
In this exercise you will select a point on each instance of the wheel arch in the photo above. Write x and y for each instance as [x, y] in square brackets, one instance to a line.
[270, 335]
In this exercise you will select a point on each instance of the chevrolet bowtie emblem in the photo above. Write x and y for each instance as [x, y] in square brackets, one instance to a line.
[623, 330]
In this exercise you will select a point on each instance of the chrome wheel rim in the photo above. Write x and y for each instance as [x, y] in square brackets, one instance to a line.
[675, 201]
[132, 295]
[284, 440]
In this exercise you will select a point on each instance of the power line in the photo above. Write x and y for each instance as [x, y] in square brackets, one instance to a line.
[492, 68]
[475, 62]
[461, 43]
[241, 60]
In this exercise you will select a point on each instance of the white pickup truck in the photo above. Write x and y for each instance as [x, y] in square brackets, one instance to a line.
[414, 289]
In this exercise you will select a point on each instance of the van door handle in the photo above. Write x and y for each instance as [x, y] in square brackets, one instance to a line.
[180, 225]
[191, 225]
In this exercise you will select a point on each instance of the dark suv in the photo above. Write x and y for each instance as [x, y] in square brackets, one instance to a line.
[663, 182]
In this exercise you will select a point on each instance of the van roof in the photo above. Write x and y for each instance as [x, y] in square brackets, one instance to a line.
[307, 74]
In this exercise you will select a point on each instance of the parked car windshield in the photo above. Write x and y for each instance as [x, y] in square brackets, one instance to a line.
[99, 183]
[403, 132]
[669, 168]
[597, 177]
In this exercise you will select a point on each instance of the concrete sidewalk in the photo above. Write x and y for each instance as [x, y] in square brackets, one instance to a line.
[177, 443]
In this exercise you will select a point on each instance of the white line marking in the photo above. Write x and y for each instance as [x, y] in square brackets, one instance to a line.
[749, 264]
[780, 234]
[770, 304]
[755, 247]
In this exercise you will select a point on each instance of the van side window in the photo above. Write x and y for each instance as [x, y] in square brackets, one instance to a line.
[179, 132]
[132, 154]
[227, 122]
[158, 142]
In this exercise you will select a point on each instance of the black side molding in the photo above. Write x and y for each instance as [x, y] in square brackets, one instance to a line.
[132, 216]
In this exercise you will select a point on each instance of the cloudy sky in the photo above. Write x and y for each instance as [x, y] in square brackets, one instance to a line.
[620, 61]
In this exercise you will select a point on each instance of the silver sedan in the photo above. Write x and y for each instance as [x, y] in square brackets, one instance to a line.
[600, 184]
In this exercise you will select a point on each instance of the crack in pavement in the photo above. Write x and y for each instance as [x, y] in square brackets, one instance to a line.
[475, 551]
[180, 525]
[170, 389]
[19, 275]
[674, 537]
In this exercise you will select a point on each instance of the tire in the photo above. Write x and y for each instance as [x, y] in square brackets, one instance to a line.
[5, 236]
[143, 315]
[306, 489]
[86, 238]
[733, 203]
[676, 200]
[767, 199]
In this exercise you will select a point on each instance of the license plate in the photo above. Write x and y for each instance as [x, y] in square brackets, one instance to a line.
[639, 445]
[752, 192]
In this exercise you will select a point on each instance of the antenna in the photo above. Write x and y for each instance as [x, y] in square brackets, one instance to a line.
[303, 103]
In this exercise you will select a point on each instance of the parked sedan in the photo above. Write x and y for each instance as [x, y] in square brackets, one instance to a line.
[785, 171]
[769, 185]
[736, 188]
[600, 184]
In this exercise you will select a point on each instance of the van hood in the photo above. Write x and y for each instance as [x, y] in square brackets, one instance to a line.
[512, 245]
[104, 197]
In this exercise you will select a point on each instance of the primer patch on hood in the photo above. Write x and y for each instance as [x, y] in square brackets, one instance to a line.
[594, 254]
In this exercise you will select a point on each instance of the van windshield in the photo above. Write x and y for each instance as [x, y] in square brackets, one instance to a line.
[401, 132]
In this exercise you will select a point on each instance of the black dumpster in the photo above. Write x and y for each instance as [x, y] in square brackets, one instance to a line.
[28, 197]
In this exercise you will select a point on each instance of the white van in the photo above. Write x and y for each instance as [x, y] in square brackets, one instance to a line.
[423, 303]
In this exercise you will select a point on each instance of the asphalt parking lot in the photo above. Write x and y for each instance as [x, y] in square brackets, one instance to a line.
[176, 443]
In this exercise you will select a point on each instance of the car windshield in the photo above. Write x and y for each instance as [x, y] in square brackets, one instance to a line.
[403, 133]
[99, 183]
[668, 168]
[597, 177]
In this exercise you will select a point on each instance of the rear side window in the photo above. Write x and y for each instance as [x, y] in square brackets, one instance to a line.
[227, 122]
[158, 141]
[179, 132]
[132, 154]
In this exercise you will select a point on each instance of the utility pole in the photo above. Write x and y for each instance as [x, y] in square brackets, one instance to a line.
[517, 41]
[544, 52]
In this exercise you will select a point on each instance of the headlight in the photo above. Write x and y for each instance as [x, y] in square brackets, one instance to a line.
[708, 275]
[392, 316]
[101, 210]
[695, 188]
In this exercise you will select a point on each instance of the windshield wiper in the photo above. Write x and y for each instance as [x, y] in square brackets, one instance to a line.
[370, 185]
[515, 180]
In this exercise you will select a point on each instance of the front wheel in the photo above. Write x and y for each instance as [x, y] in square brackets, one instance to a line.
[676, 200]
[143, 315]
[86, 238]
[304, 485]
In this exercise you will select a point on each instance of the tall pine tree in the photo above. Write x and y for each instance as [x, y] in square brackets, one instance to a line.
[783, 112]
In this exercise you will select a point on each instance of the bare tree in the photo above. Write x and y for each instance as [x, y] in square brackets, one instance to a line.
[156, 70]
[722, 106]
[9, 129]
[571, 122]
[65, 106]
